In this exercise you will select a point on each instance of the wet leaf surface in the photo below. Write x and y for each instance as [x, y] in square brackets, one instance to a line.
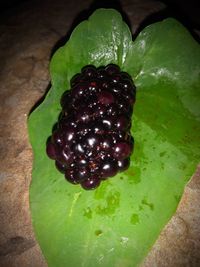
[117, 224]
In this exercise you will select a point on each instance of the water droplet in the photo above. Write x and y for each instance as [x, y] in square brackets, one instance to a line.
[112, 203]
[100, 258]
[162, 153]
[182, 166]
[98, 232]
[124, 240]
[101, 191]
[111, 250]
[141, 207]
[134, 218]
[88, 213]
[133, 175]
[150, 205]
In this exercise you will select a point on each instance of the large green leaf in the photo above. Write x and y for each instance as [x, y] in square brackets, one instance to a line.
[117, 224]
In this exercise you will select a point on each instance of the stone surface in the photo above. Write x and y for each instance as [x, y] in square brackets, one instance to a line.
[28, 33]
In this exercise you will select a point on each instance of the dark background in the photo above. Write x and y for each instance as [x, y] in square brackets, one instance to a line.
[188, 12]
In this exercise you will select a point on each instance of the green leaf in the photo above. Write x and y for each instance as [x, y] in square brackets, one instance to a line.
[117, 224]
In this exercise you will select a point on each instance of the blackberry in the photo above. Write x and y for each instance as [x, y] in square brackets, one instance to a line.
[92, 141]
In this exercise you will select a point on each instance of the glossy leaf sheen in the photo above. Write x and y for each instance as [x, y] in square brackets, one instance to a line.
[117, 224]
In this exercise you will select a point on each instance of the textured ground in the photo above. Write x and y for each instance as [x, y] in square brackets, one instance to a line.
[27, 36]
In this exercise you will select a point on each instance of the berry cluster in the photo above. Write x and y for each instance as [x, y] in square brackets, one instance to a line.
[92, 141]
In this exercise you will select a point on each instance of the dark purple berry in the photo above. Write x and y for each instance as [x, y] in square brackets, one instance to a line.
[65, 100]
[105, 98]
[67, 155]
[79, 90]
[70, 175]
[81, 161]
[93, 87]
[123, 164]
[112, 110]
[79, 148]
[57, 138]
[123, 105]
[108, 122]
[76, 79]
[112, 69]
[81, 174]
[101, 73]
[122, 150]
[91, 183]
[83, 115]
[125, 76]
[116, 89]
[106, 143]
[98, 127]
[122, 123]
[69, 134]
[108, 168]
[83, 128]
[69, 120]
[61, 167]
[99, 111]
[104, 85]
[51, 150]
[127, 85]
[94, 167]
[89, 71]
[92, 140]
[116, 78]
